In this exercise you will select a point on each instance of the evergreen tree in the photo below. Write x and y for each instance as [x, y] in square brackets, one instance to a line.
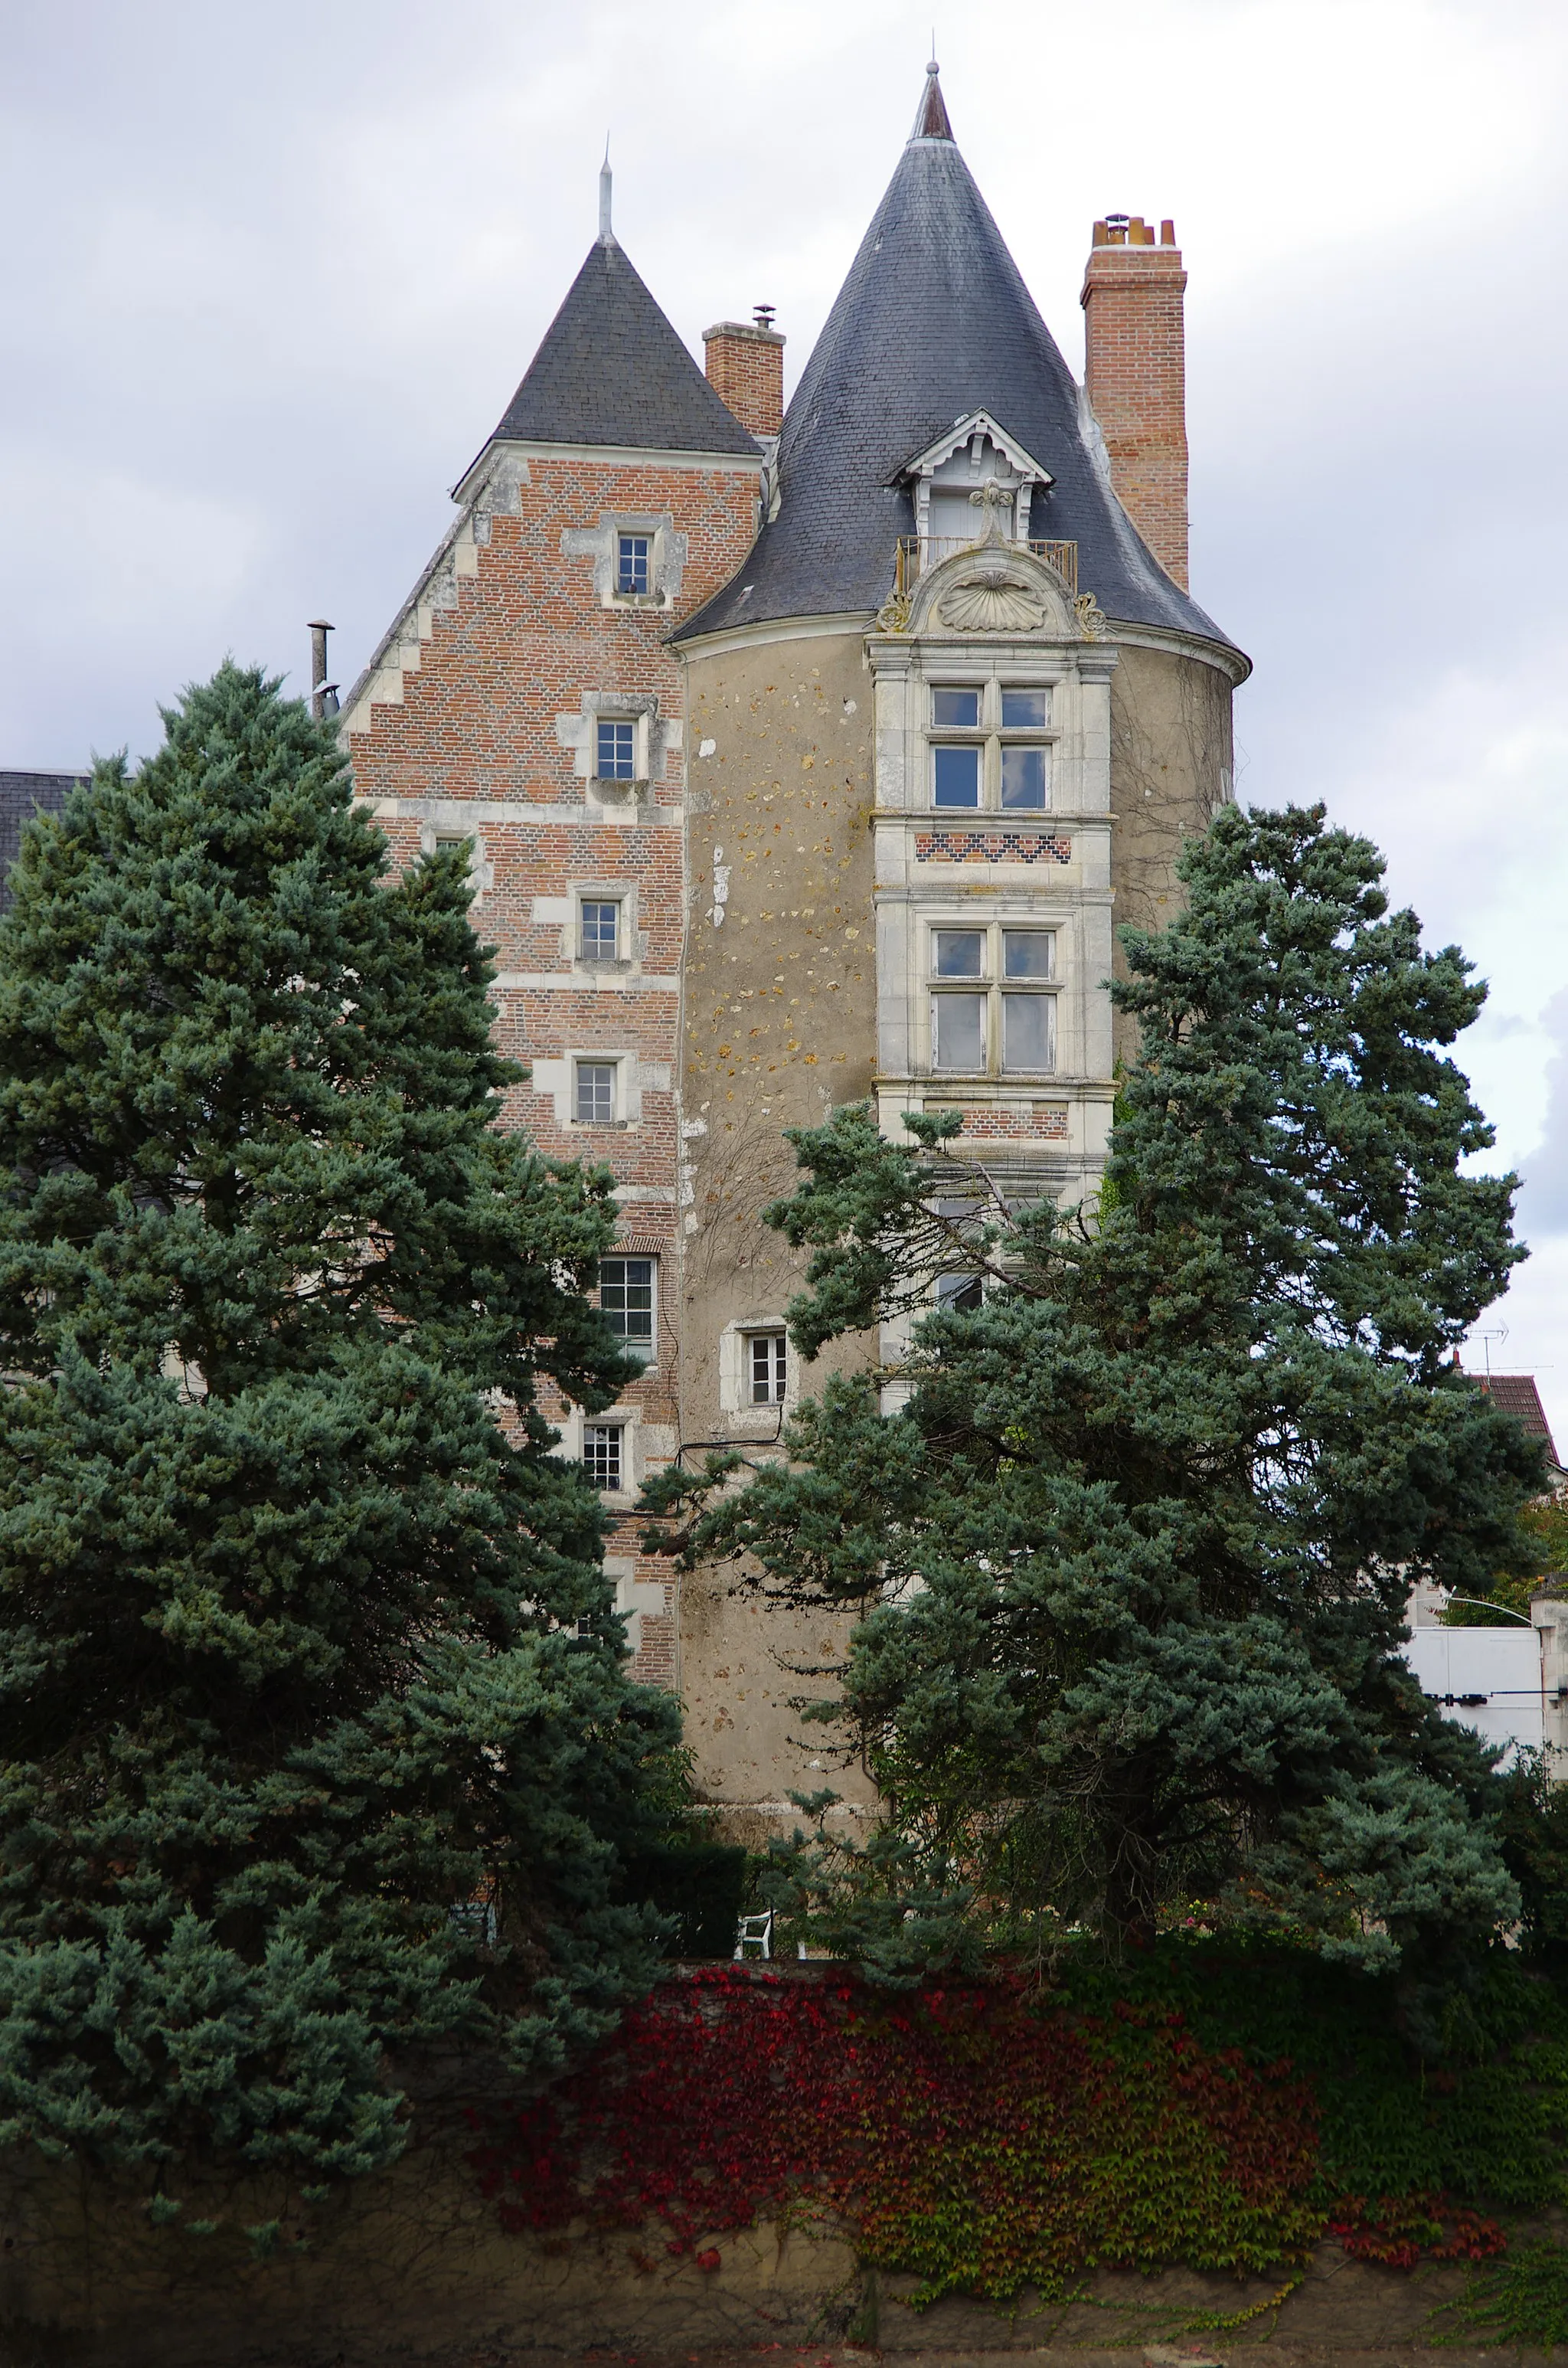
[1131, 1561]
[316, 1733]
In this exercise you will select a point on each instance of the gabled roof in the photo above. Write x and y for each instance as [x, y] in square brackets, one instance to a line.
[611, 370]
[21, 796]
[1518, 1394]
[944, 446]
[933, 322]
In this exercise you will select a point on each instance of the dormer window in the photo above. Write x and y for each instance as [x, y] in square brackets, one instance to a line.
[631, 563]
[946, 483]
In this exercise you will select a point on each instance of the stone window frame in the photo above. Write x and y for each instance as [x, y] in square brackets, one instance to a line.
[627, 962]
[449, 819]
[628, 1421]
[735, 1400]
[656, 737]
[667, 555]
[990, 735]
[991, 926]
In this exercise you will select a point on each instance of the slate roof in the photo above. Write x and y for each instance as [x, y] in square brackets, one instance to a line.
[610, 370]
[21, 796]
[933, 322]
[1518, 1394]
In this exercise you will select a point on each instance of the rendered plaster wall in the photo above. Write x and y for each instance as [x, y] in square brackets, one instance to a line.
[1171, 769]
[779, 1027]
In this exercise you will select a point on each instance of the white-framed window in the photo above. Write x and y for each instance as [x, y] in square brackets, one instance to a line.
[767, 1367]
[629, 1300]
[1002, 761]
[593, 1095]
[614, 748]
[633, 553]
[604, 1455]
[598, 929]
[992, 999]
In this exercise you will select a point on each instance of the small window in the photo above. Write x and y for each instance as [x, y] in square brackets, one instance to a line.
[958, 953]
[625, 1299]
[617, 752]
[599, 937]
[1025, 783]
[602, 1456]
[955, 711]
[595, 1093]
[1025, 710]
[632, 562]
[1028, 953]
[960, 1294]
[956, 778]
[1029, 1031]
[770, 1369]
[958, 1033]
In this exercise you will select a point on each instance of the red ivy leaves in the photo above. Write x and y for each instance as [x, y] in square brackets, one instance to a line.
[1400, 2230]
[979, 2136]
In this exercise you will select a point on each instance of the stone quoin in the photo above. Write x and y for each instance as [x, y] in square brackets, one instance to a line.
[809, 756]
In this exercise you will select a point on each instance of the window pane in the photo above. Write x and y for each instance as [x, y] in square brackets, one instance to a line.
[954, 709]
[601, 1453]
[1024, 709]
[958, 1031]
[1029, 1031]
[601, 932]
[595, 1092]
[625, 1296]
[957, 779]
[1028, 953]
[958, 953]
[959, 1294]
[631, 568]
[1024, 777]
[617, 745]
[767, 1367]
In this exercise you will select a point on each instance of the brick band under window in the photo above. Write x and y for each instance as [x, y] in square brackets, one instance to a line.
[991, 847]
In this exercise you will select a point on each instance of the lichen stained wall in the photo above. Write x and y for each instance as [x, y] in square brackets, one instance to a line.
[1171, 769]
[778, 1028]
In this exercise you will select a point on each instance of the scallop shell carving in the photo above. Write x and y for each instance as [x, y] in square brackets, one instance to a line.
[988, 604]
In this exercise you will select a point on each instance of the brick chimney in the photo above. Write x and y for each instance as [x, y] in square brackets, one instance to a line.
[1135, 376]
[746, 368]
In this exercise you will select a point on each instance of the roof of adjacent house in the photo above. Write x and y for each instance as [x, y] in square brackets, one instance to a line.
[933, 322]
[21, 796]
[610, 370]
[1518, 1394]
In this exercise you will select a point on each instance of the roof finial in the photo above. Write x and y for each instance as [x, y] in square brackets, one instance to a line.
[931, 115]
[606, 236]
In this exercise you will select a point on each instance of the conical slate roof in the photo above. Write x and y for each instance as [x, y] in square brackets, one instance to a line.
[933, 322]
[612, 370]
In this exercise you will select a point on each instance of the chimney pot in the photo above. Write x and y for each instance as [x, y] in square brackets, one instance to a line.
[1167, 234]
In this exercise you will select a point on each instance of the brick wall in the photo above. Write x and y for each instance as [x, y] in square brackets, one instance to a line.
[1134, 374]
[483, 725]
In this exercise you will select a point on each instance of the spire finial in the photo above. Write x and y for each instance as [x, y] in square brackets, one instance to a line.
[606, 236]
[931, 115]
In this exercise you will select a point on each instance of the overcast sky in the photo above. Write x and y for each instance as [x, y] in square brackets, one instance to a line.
[274, 270]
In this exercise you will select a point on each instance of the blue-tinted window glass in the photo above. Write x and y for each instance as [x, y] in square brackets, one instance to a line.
[958, 953]
[1024, 710]
[956, 778]
[1023, 779]
[601, 932]
[1028, 953]
[595, 1093]
[955, 710]
[617, 752]
[632, 562]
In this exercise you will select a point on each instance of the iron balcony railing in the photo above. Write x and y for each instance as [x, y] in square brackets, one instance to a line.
[916, 553]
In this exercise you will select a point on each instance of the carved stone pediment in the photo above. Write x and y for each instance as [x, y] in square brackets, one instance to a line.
[990, 600]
